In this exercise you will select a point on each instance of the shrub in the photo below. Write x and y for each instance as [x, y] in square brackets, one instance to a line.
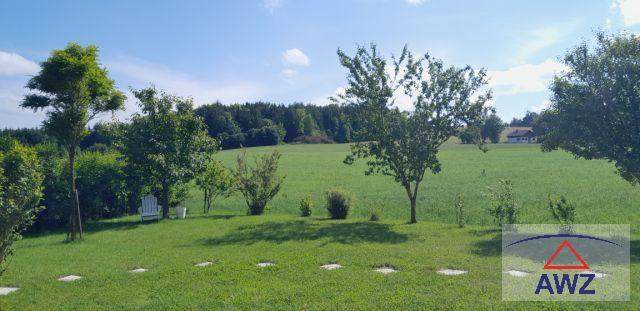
[306, 205]
[233, 141]
[461, 218]
[215, 181]
[20, 193]
[562, 210]
[503, 207]
[101, 186]
[258, 184]
[338, 203]
[265, 136]
[313, 140]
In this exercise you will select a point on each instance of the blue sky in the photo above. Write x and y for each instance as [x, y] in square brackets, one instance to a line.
[284, 51]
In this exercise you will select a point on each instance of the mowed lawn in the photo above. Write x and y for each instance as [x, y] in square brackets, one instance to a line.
[298, 246]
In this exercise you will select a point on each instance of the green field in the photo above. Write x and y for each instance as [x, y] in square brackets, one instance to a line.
[298, 246]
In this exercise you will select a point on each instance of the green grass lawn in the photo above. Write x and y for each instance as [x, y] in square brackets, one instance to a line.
[298, 246]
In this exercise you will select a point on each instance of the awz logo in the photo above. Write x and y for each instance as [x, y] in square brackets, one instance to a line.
[566, 279]
[565, 283]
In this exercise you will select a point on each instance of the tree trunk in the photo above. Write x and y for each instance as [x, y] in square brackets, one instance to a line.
[412, 199]
[74, 210]
[165, 200]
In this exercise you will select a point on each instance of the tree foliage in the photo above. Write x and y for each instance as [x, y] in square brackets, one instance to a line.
[405, 144]
[260, 183]
[20, 193]
[215, 181]
[73, 89]
[595, 104]
[166, 145]
[492, 127]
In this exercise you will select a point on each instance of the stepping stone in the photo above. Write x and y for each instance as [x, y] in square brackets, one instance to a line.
[69, 278]
[265, 264]
[517, 273]
[204, 264]
[331, 266]
[598, 275]
[139, 270]
[7, 290]
[385, 270]
[451, 272]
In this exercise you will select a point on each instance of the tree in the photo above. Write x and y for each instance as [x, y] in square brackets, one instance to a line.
[404, 144]
[167, 143]
[309, 125]
[260, 183]
[20, 193]
[73, 89]
[215, 181]
[527, 120]
[492, 127]
[595, 102]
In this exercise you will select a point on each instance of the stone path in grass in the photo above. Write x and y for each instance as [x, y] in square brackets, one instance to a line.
[386, 269]
[517, 273]
[69, 278]
[331, 266]
[451, 272]
[7, 290]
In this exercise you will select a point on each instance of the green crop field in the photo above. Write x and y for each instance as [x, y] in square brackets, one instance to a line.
[235, 243]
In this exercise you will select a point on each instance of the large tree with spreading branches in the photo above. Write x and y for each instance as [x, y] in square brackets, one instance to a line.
[405, 144]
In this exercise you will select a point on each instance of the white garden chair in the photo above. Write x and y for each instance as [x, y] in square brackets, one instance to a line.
[149, 208]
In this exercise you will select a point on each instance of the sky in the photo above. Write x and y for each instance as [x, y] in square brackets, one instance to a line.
[284, 51]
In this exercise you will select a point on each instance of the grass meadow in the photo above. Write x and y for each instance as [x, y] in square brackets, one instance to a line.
[298, 246]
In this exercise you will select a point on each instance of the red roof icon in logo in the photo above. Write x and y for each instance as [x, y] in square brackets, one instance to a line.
[565, 244]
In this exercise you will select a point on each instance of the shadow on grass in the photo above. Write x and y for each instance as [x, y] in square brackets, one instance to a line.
[635, 250]
[279, 232]
[489, 248]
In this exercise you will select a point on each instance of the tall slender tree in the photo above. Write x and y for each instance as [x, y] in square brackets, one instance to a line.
[73, 89]
[405, 144]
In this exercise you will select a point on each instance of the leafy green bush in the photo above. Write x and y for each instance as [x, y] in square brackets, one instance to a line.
[306, 205]
[338, 203]
[562, 210]
[20, 193]
[260, 183]
[101, 186]
[215, 181]
[461, 218]
[503, 207]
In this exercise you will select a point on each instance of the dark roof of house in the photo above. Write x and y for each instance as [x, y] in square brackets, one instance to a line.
[521, 133]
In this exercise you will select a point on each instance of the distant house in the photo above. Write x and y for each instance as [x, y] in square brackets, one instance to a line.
[521, 136]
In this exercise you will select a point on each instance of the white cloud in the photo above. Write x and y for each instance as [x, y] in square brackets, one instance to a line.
[629, 9]
[416, 2]
[537, 41]
[14, 64]
[295, 57]
[271, 4]
[289, 73]
[525, 78]
[11, 114]
[202, 91]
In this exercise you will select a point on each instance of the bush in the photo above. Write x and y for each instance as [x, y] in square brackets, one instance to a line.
[20, 193]
[265, 136]
[258, 184]
[338, 203]
[101, 187]
[562, 210]
[461, 218]
[313, 140]
[306, 205]
[503, 207]
[233, 141]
